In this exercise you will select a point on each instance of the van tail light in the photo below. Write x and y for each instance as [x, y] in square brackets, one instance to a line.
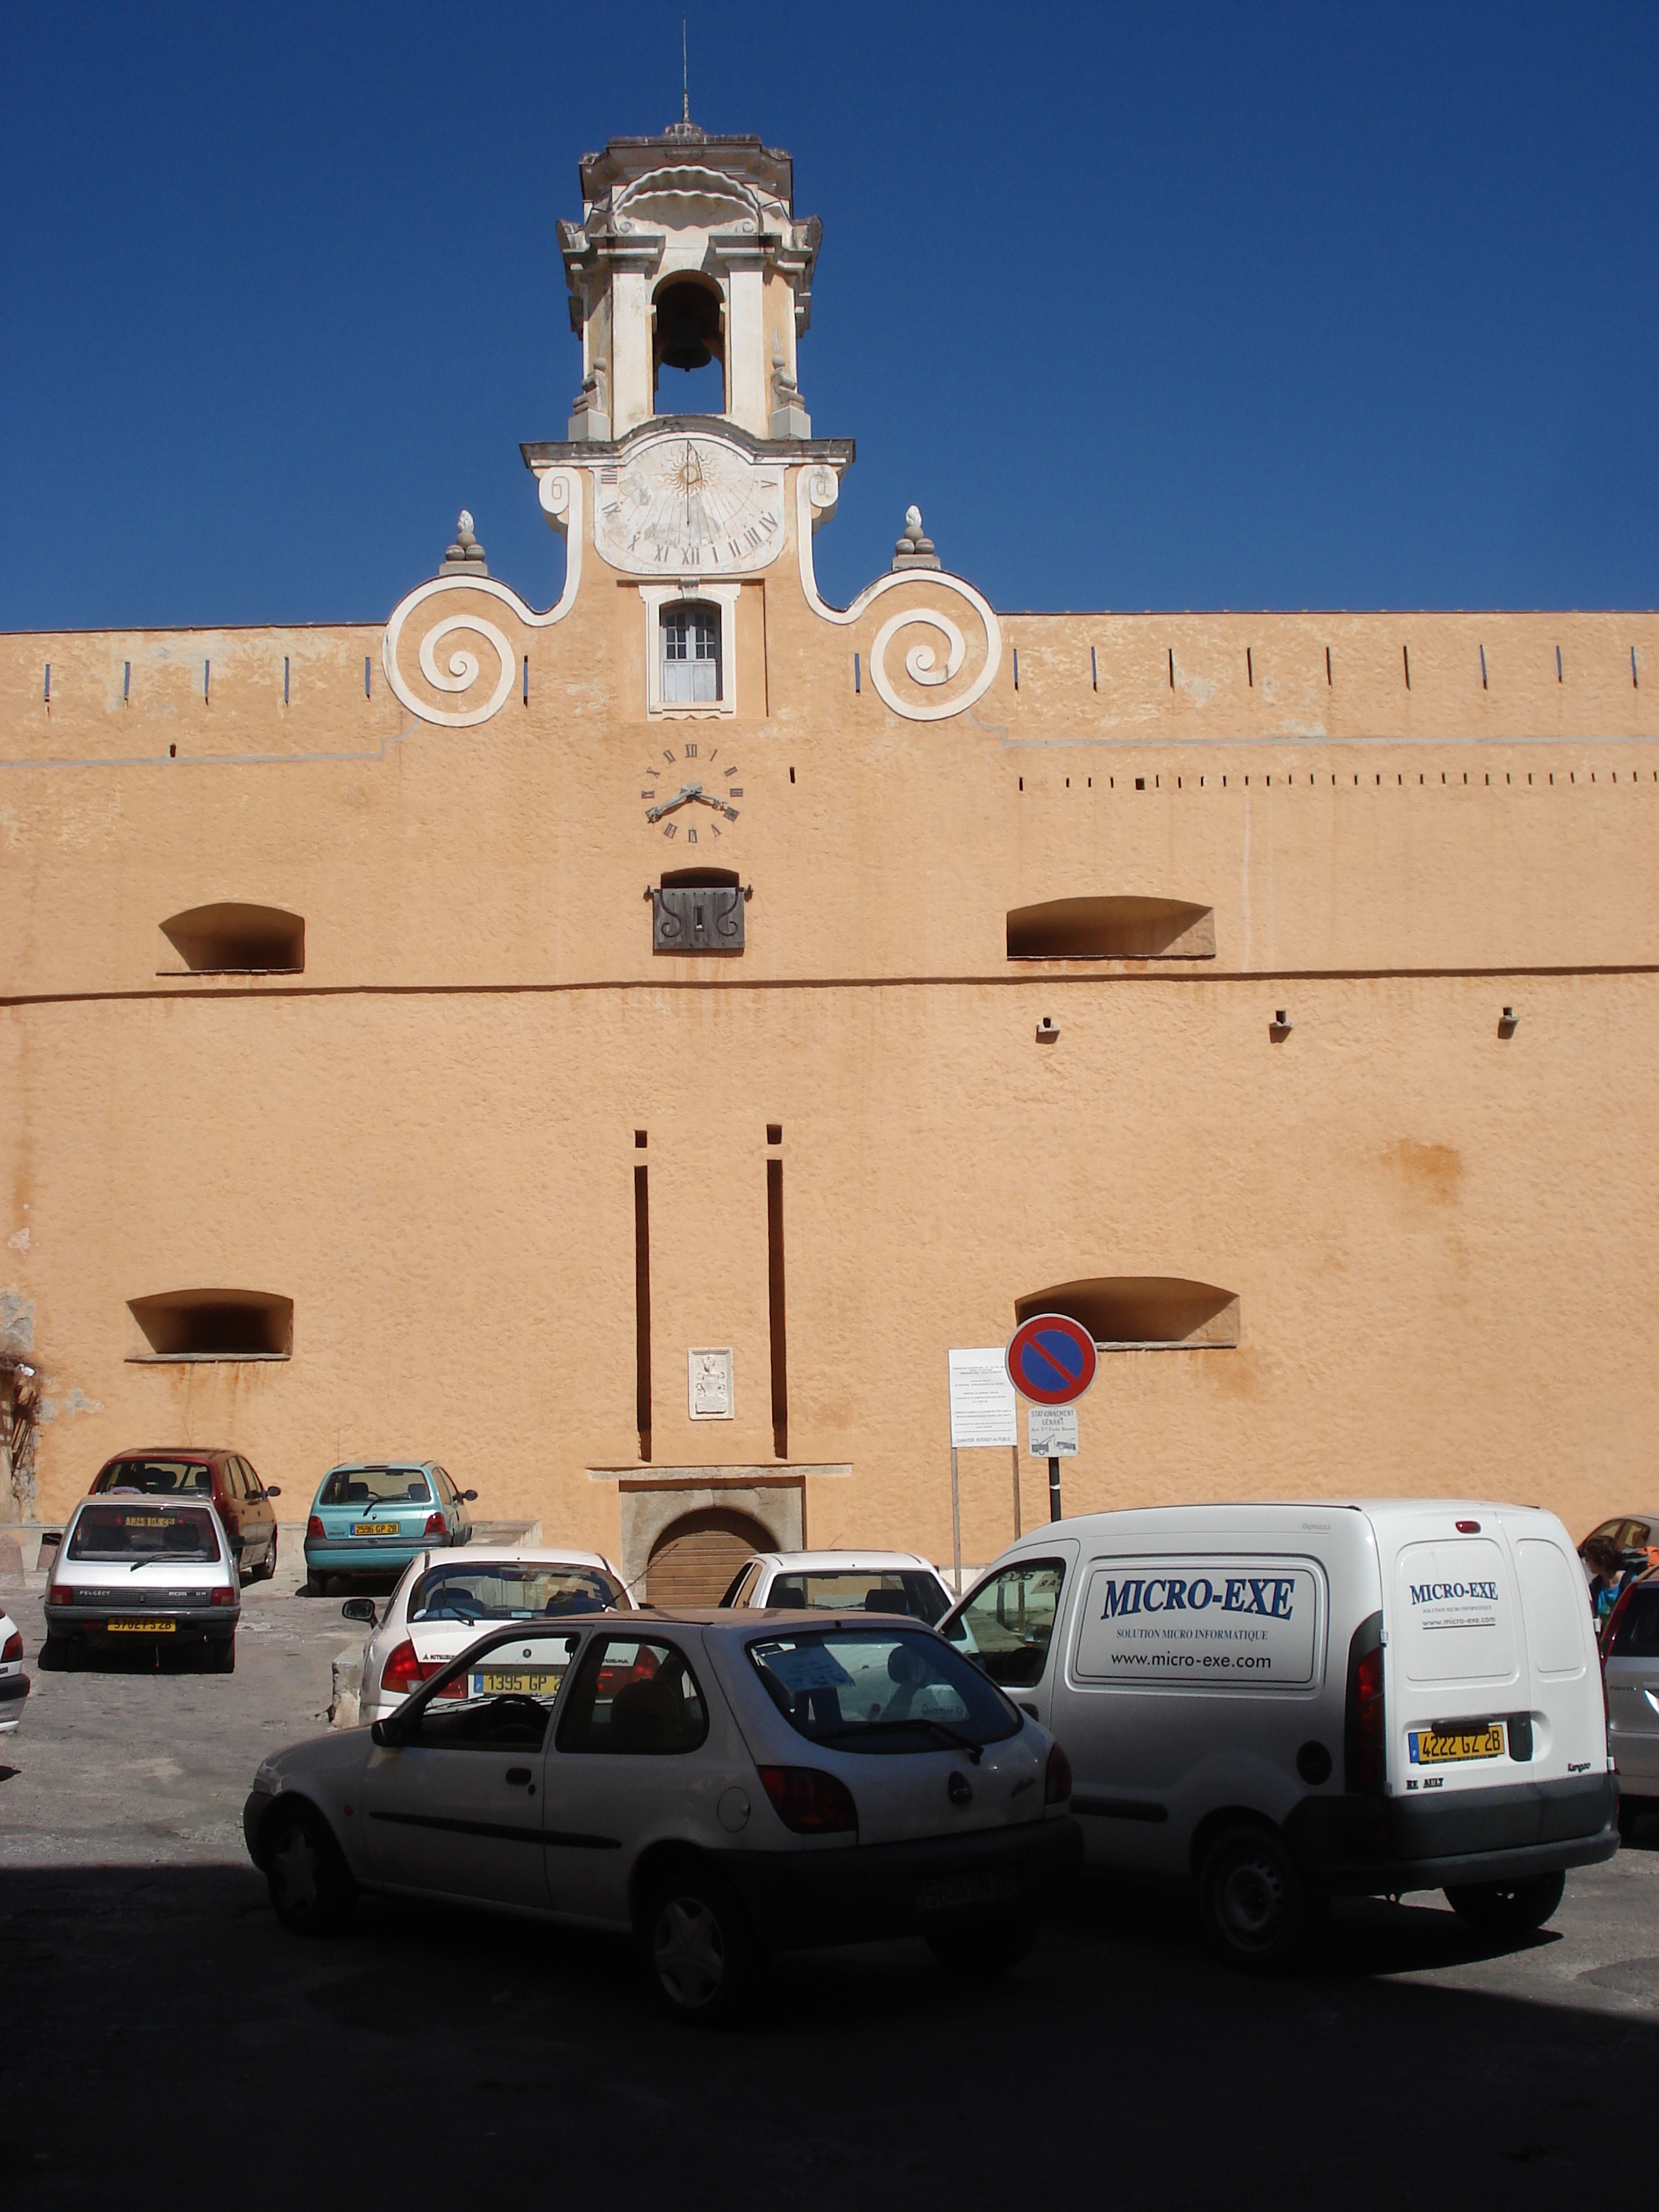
[809, 1801]
[1057, 1779]
[315, 1531]
[1365, 1735]
[406, 1671]
[14, 1648]
[435, 1525]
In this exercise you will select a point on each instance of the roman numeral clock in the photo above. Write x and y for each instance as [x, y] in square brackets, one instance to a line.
[688, 504]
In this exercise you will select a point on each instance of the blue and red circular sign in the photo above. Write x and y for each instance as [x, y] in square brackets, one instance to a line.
[1051, 1359]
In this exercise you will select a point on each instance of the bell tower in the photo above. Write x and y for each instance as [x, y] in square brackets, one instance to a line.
[688, 251]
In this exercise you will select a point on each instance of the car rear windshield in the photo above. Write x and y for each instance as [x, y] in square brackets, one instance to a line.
[880, 1689]
[1637, 1636]
[128, 1532]
[862, 1589]
[511, 1591]
[376, 1485]
[157, 1478]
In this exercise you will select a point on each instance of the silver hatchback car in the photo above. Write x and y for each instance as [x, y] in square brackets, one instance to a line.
[719, 1784]
[1630, 1673]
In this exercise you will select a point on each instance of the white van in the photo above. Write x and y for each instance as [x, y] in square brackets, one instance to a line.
[1288, 1703]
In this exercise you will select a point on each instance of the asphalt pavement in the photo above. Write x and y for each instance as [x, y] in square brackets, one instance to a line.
[162, 2039]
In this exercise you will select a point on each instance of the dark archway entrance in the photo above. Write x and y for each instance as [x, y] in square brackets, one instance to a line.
[694, 1560]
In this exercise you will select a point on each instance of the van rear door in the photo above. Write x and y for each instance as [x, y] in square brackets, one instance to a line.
[1460, 1702]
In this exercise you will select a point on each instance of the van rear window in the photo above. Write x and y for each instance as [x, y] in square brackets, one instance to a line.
[1637, 1636]
[134, 1531]
[1456, 1612]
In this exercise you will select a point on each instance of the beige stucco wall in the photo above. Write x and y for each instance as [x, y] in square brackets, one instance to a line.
[1444, 1241]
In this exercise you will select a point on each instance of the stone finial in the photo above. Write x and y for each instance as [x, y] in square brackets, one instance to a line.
[913, 550]
[465, 553]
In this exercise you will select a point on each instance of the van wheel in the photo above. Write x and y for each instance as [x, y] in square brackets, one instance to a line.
[983, 1947]
[1256, 1911]
[701, 1957]
[1508, 1908]
[311, 1891]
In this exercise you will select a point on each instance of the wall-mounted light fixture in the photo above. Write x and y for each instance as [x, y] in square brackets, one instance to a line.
[1507, 1021]
[1047, 1029]
[1280, 1026]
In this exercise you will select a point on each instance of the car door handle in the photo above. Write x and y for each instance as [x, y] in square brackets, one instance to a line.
[519, 1777]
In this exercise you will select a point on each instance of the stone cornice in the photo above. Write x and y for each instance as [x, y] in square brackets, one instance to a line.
[549, 452]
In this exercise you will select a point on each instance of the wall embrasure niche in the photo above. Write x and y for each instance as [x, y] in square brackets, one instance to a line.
[1114, 929]
[1146, 1313]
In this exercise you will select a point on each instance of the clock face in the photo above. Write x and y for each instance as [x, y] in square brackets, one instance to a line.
[694, 797]
[689, 505]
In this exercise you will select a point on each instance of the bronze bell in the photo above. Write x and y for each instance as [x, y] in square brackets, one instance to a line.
[687, 326]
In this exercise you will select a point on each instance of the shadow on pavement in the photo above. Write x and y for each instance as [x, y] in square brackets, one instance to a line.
[434, 2054]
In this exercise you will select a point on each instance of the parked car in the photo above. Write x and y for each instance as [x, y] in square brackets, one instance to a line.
[225, 1478]
[373, 1518]
[841, 1581]
[717, 1784]
[13, 1682]
[443, 1600]
[1290, 1702]
[1630, 1532]
[1629, 1674]
[144, 1566]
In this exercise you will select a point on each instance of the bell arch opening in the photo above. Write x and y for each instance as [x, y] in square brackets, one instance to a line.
[1142, 1313]
[1112, 928]
[694, 1560]
[687, 336]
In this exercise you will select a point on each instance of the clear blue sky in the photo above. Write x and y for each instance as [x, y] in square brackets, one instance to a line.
[1146, 305]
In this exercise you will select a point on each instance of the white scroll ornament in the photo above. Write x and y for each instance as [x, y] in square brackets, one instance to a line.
[461, 672]
[816, 493]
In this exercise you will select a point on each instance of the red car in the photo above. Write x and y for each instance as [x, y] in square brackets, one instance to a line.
[223, 1478]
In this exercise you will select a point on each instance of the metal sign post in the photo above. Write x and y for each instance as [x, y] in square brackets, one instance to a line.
[1051, 1361]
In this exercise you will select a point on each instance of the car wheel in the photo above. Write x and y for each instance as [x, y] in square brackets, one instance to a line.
[311, 1891]
[1256, 1911]
[1633, 1811]
[222, 1660]
[700, 1955]
[983, 1946]
[267, 1566]
[54, 1655]
[1508, 1908]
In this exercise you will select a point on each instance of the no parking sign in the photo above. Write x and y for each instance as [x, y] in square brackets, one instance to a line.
[1051, 1359]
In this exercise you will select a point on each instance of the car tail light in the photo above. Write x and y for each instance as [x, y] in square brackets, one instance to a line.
[224, 1597]
[315, 1531]
[1057, 1780]
[59, 1594]
[406, 1671]
[809, 1801]
[434, 1524]
[1367, 1730]
[14, 1648]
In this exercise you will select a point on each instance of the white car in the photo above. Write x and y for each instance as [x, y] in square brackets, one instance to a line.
[841, 1581]
[159, 1568]
[717, 1784]
[13, 1682]
[444, 1599]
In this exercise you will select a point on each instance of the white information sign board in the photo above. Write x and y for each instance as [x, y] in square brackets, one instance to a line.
[983, 1402]
[1051, 1431]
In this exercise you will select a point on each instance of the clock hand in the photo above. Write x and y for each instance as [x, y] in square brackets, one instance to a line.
[686, 791]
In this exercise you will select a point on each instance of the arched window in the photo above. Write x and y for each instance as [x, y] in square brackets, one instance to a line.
[1154, 1313]
[691, 632]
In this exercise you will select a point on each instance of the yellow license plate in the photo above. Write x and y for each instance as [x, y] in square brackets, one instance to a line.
[142, 1627]
[980, 1885]
[375, 1528]
[525, 1681]
[1427, 1748]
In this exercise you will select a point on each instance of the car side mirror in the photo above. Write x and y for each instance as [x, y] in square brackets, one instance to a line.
[360, 1609]
[470, 1496]
[273, 1490]
[51, 1536]
[387, 1734]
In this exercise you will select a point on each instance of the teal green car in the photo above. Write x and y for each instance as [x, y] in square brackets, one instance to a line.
[373, 1518]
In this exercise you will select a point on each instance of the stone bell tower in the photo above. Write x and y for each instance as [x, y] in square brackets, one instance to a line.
[688, 251]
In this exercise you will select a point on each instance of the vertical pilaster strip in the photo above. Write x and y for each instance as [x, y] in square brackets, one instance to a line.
[774, 1304]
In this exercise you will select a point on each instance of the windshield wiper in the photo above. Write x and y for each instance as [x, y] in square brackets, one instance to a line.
[974, 1751]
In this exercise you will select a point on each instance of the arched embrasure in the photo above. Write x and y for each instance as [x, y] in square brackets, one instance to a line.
[1159, 1312]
